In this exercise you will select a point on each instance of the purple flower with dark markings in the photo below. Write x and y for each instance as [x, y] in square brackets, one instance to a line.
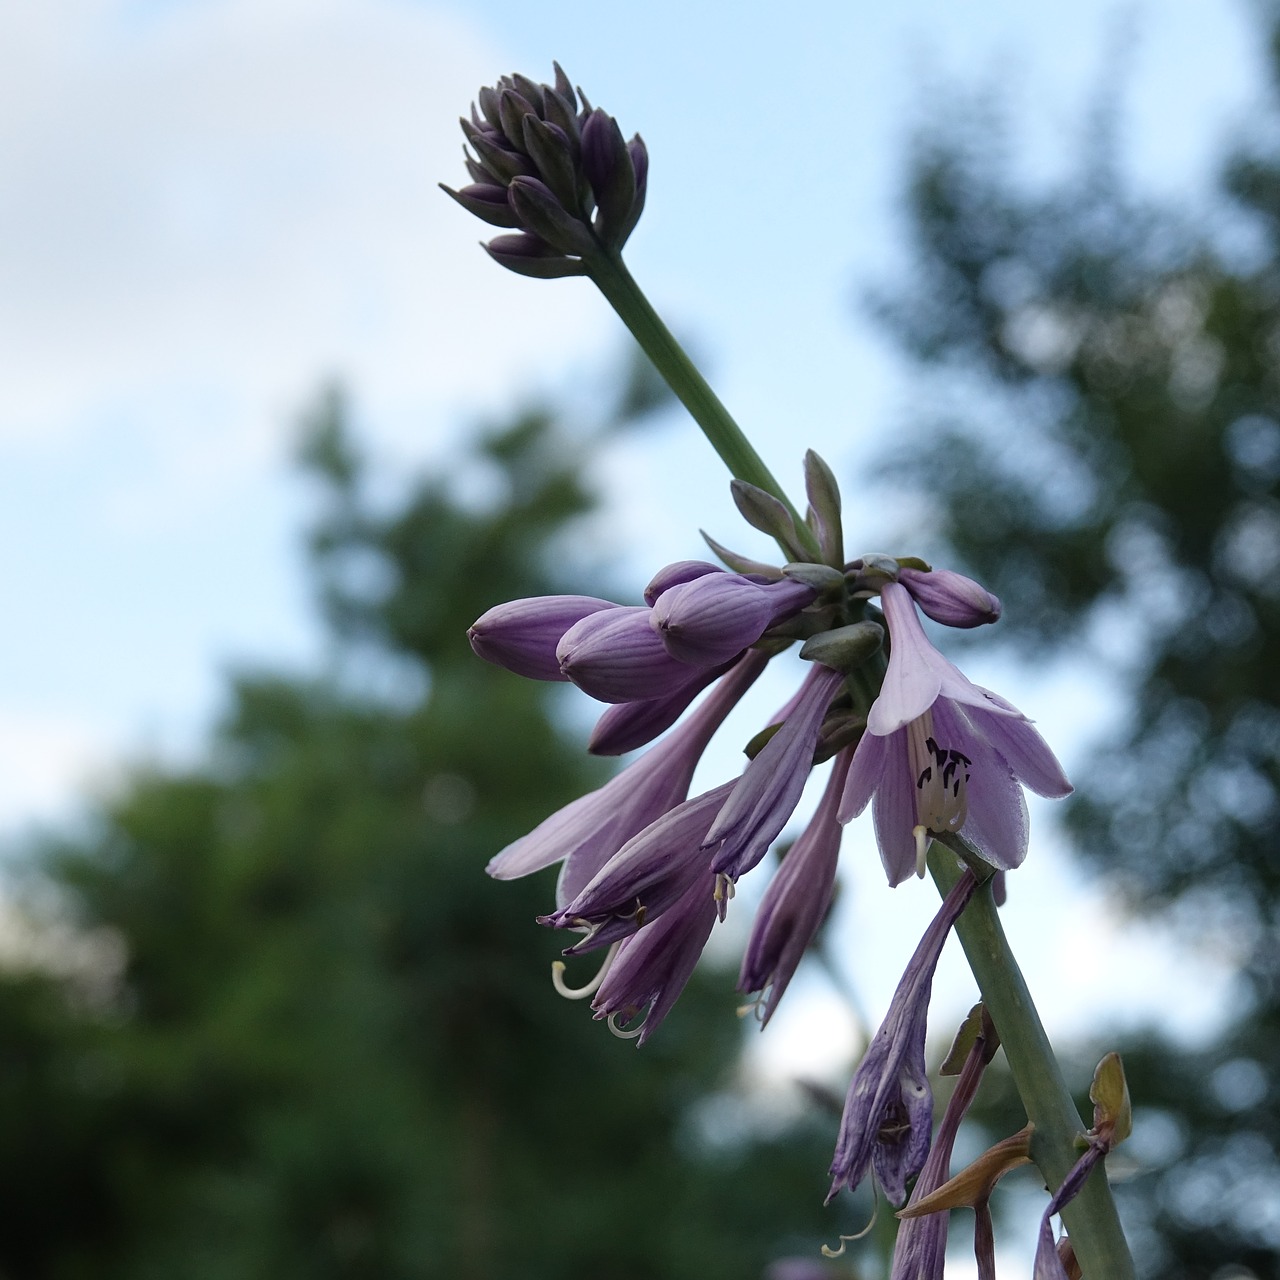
[709, 619]
[941, 754]
[522, 635]
[889, 1109]
[586, 833]
[652, 966]
[796, 901]
[771, 785]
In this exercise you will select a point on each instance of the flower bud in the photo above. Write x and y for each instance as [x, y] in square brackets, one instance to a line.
[675, 574]
[522, 635]
[620, 658]
[706, 621]
[950, 598]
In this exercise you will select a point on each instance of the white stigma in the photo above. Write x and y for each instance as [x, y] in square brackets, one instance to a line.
[581, 993]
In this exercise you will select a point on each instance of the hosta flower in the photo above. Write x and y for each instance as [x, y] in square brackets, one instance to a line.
[522, 635]
[889, 1109]
[796, 901]
[940, 754]
[586, 833]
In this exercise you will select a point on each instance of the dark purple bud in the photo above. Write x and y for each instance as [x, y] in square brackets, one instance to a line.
[500, 161]
[530, 91]
[673, 575]
[549, 149]
[560, 112]
[488, 99]
[512, 109]
[608, 166]
[527, 255]
[950, 598]
[487, 201]
[706, 621]
[540, 212]
[621, 658]
[522, 635]
[640, 163]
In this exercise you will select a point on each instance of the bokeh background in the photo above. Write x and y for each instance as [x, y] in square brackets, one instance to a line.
[273, 431]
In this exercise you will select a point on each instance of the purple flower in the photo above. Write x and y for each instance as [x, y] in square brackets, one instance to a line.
[921, 1247]
[941, 754]
[652, 966]
[796, 901]
[712, 617]
[627, 725]
[646, 877]
[889, 1109]
[522, 635]
[770, 787]
[950, 598]
[586, 833]
[617, 656]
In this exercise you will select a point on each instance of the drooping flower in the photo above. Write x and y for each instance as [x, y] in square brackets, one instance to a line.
[950, 598]
[888, 1112]
[796, 901]
[586, 833]
[942, 754]
[771, 785]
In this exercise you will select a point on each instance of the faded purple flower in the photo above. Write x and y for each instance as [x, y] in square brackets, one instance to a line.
[941, 754]
[586, 833]
[889, 1109]
[709, 619]
[522, 635]
[770, 787]
[796, 901]
[950, 598]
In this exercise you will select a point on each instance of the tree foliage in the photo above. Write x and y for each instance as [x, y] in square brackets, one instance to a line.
[309, 1038]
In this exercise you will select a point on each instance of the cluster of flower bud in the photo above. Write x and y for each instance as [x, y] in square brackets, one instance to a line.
[554, 171]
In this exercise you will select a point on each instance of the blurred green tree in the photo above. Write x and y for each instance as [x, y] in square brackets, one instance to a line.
[1097, 437]
[308, 1037]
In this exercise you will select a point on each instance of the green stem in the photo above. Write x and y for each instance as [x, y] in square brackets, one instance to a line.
[657, 342]
[1091, 1218]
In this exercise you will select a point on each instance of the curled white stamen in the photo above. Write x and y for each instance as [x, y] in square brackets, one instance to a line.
[629, 1034]
[581, 993]
[828, 1252]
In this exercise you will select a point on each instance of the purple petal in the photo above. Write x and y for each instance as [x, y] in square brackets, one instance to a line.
[673, 575]
[627, 725]
[914, 676]
[864, 774]
[1028, 754]
[894, 812]
[771, 785]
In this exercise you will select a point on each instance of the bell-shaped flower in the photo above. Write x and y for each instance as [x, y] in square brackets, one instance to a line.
[796, 901]
[586, 833]
[522, 635]
[940, 754]
[712, 617]
[770, 787]
[888, 1112]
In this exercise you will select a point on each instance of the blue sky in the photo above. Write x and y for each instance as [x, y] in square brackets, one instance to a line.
[212, 206]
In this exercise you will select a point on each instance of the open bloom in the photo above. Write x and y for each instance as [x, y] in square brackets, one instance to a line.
[941, 754]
